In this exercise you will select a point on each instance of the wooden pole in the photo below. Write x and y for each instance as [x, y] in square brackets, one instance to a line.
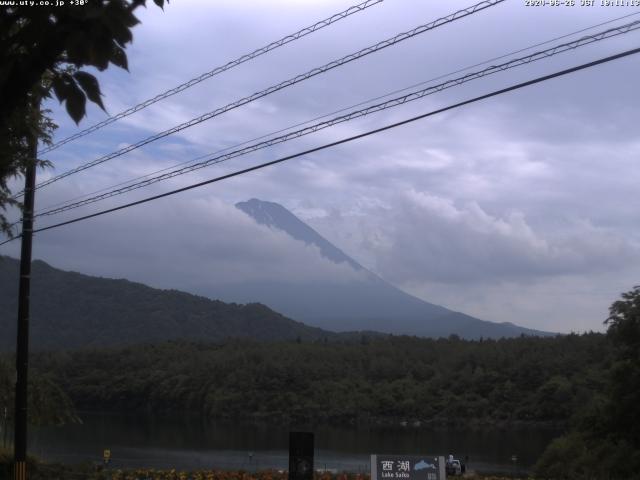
[22, 342]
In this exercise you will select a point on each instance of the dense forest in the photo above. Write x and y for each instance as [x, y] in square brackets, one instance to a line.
[603, 440]
[589, 384]
[390, 379]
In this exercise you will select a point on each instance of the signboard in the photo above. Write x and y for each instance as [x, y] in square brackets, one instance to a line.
[106, 455]
[407, 467]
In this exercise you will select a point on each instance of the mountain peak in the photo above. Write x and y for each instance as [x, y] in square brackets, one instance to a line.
[275, 216]
[370, 303]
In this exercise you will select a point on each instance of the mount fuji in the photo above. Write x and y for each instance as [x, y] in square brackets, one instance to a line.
[365, 303]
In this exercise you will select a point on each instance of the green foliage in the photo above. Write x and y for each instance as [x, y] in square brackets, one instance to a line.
[624, 324]
[576, 456]
[385, 380]
[48, 404]
[565, 458]
[40, 43]
[15, 151]
[605, 439]
[43, 49]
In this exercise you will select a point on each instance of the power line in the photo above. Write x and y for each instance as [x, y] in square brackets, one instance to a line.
[349, 139]
[287, 83]
[227, 66]
[416, 95]
[344, 109]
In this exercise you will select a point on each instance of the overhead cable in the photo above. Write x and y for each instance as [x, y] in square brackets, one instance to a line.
[227, 66]
[416, 95]
[335, 112]
[287, 83]
[349, 139]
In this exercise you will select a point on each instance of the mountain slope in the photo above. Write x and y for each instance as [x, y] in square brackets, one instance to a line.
[71, 310]
[369, 304]
[275, 215]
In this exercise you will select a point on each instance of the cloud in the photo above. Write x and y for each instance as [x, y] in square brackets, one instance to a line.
[562, 303]
[192, 244]
[419, 237]
[489, 201]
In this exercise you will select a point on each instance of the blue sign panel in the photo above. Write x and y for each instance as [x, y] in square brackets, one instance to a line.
[407, 467]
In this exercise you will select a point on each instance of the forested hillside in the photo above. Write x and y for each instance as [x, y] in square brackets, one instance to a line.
[71, 310]
[509, 381]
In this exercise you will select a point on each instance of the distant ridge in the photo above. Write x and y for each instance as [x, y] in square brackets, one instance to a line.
[370, 304]
[72, 310]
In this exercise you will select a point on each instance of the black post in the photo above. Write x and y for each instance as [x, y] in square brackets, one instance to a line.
[22, 344]
[301, 456]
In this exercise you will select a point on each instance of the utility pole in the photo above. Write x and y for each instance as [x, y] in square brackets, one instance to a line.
[22, 343]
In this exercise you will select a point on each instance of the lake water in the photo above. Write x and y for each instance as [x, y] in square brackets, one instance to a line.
[190, 443]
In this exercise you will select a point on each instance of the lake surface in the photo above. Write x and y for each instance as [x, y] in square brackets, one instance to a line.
[190, 443]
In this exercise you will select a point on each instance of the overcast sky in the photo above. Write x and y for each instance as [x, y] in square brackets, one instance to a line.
[520, 208]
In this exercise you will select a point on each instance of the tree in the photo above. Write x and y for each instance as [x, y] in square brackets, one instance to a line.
[624, 324]
[48, 403]
[624, 332]
[605, 439]
[42, 50]
[25, 123]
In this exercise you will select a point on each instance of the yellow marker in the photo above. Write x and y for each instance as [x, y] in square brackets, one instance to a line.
[20, 472]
